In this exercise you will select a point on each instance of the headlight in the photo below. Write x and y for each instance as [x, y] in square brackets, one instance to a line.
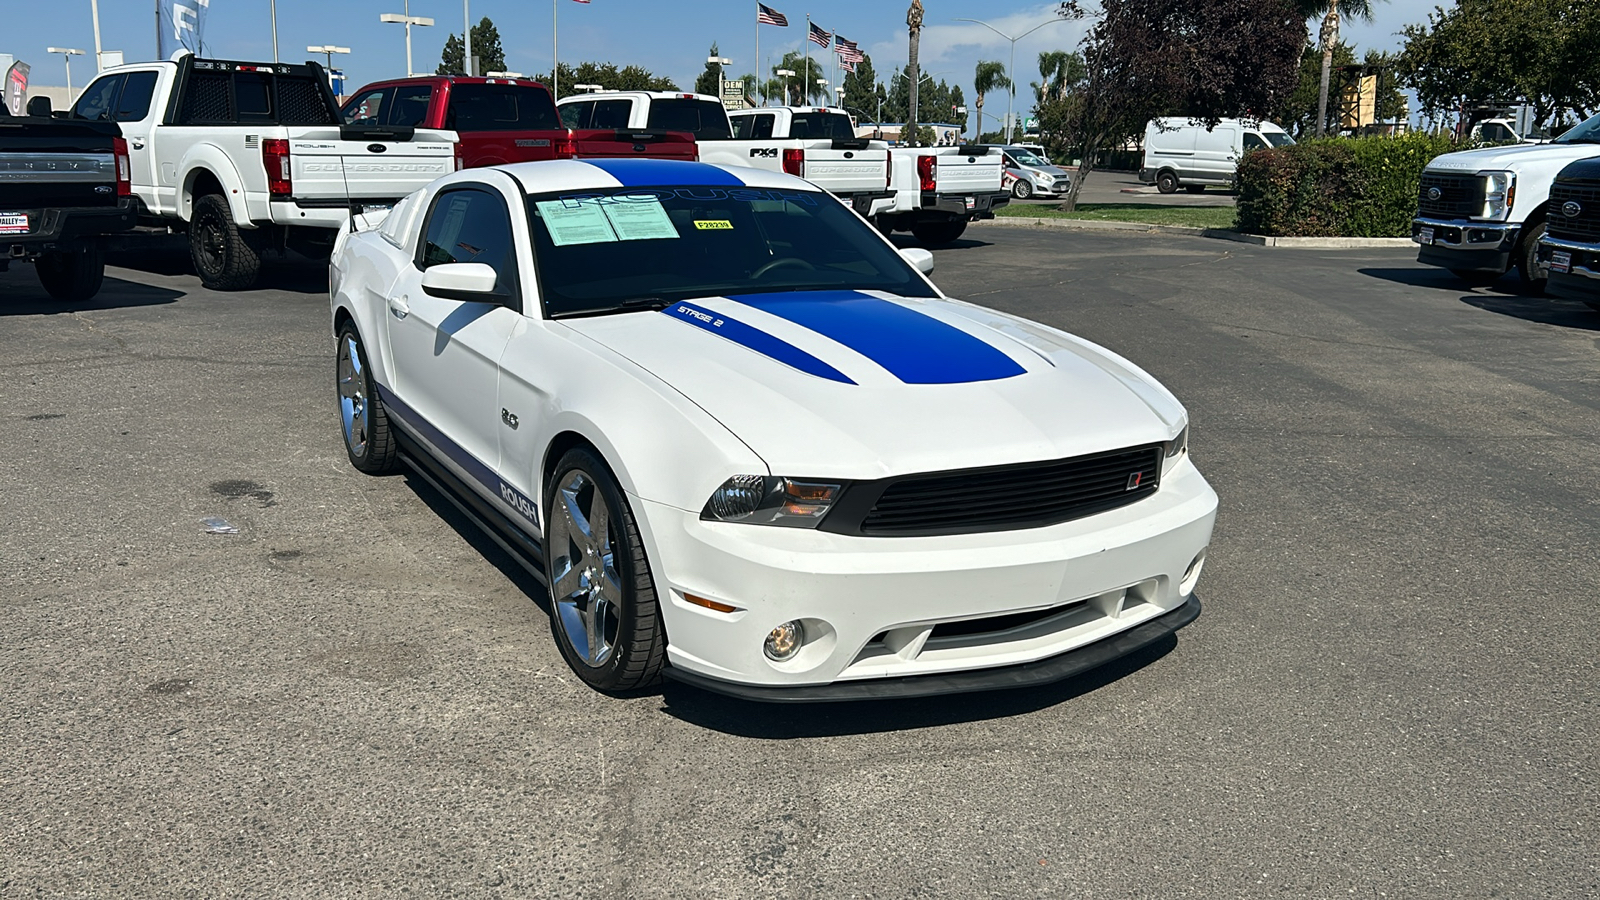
[1176, 449]
[1045, 179]
[770, 500]
[1499, 194]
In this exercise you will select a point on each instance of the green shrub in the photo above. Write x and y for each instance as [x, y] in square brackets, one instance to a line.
[1336, 187]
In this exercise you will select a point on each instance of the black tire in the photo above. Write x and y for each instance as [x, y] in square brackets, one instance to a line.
[938, 233]
[363, 422]
[1167, 181]
[1023, 189]
[884, 224]
[632, 624]
[225, 258]
[1195, 188]
[1476, 279]
[72, 276]
[1534, 274]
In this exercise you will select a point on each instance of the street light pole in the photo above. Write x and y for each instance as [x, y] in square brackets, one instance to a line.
[466, 39]
[67, 53]
[721, 62]
[274, 31]
[94, 10]
[1011, 76]
[408, 20]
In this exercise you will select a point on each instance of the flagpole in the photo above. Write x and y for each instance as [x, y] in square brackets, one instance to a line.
[805, 86]
[555, 51]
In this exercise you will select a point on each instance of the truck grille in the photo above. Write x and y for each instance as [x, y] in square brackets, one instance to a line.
[1586, 225]
[1460, 196]
[1003, 498]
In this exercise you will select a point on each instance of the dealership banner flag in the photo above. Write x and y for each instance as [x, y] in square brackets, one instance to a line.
[183, 23]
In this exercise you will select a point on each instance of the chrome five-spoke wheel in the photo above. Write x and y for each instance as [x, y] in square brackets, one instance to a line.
[352, 396]
[362, 418]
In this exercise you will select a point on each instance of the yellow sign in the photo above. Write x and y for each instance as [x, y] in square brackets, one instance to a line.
[713, 224]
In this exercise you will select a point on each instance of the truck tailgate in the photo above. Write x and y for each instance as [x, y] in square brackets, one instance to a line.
[325, 167]
[968, 173]
[847, 171]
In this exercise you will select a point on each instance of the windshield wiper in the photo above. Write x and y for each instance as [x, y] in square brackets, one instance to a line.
[636, 304]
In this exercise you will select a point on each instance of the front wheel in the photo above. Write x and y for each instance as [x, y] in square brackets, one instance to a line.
[603, 608]
[1167, 182]
[1533, 272]
[365, 423]
[72, 276]
[937, 233]
[1023, 189]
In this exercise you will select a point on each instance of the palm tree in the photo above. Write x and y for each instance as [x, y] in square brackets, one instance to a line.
[1330, 11]
[989, 76]
[908, 134]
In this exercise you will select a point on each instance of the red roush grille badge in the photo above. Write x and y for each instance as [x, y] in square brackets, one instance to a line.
[1134, 479]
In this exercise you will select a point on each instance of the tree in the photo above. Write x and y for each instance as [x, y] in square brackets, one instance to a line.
[1147, 58]
[913, 69]
[861, 90]
[802, 85]
[607, 75]
[709, 81]
[485, 46]
[1538, 51]
[989, 76]
[1329, 10]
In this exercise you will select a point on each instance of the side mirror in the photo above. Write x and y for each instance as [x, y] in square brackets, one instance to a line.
[40, 106]
[469, 282]
[920, 258]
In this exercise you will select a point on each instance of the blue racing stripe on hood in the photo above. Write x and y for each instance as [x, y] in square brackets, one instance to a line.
[915, 348]
[755, 339]
[664, 173]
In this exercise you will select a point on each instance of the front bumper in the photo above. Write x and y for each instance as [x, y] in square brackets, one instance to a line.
[68, 224]
[879, 611]
[1464, 245]
[1581, 281]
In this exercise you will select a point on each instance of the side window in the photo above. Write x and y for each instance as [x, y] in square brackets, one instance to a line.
[137, 92]
[575, 115]
[471, 225]
[95, 103]
[1253, 141]
[409, 105]
[367, 109]
[741, 127]
[611, 114]
[761, 129]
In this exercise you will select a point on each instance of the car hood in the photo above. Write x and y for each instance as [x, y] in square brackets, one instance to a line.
[867, 385]
[1512, 157]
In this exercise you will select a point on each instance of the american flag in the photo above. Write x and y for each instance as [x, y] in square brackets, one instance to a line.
[846, 64]
[847, 50]
[818, 36]
[766, 15]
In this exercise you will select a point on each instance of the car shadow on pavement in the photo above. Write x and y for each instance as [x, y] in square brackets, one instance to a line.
[785, 721]
[904, 241]
[492, 552]
[292, 273]
[24, 296]
[1544, 310]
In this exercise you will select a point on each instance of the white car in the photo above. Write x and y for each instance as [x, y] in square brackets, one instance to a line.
[752, 445]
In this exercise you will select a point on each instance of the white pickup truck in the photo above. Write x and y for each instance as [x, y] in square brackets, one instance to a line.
[853, 169]
[248, 157]
[938, 190]
[1481, 213]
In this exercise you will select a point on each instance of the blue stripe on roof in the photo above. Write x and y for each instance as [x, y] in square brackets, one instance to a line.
[915, 348]
[755, 339]
[664, 173]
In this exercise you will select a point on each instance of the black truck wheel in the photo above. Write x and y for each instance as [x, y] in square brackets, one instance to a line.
[1534, 273]
[225, 258]
[72, 276]
[936, 233]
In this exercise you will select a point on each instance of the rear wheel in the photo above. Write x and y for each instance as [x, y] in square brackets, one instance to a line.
[603, 608]
[1476, 279]
[72, 276]
[1023, 189]
[365, 424]
[1533, 272]
[225, 258]
[936, 233]
[1167, 182]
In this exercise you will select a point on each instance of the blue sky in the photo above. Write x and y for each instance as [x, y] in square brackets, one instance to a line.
[667, 38]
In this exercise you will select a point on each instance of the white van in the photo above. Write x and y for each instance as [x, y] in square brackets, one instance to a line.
[1180, 152]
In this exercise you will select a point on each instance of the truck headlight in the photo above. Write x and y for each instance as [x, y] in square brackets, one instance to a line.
[1499, 194]
[770, 500]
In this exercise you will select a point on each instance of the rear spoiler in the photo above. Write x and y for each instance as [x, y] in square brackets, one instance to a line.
[635, 136]
[851, 143]
[400, 133]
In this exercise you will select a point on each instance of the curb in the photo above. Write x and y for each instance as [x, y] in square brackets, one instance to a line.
[1220, 234]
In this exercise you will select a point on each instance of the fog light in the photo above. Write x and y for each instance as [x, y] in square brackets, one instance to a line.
[784, 641]
[1191, 576]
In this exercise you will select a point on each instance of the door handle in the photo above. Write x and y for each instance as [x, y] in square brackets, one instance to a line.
[399, 307]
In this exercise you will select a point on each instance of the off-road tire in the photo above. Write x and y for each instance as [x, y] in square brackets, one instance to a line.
[640, 649]
[377, 453]
[938, 233]
[225, 258]
[1167, 182]
[72, 276]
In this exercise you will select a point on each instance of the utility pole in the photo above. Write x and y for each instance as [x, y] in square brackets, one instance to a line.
[466, 39]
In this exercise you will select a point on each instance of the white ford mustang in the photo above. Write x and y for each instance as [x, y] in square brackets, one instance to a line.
[749, 446]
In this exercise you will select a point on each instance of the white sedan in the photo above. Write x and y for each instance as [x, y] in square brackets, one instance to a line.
[750, 446]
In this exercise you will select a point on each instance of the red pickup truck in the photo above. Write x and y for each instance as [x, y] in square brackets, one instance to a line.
[503, 120]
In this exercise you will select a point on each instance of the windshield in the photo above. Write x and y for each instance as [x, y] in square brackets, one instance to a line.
[1028, 158]
[821, 125]
[625, 248]
[1585, 132]
[1278, 138]
[705, 119]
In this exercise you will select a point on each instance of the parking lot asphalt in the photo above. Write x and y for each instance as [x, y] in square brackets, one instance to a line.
[1391, 693]
[1125, 187]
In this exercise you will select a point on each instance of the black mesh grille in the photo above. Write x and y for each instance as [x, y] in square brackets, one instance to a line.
[1004, 498]
[1459, 196]
[1585, 226]
[208, 98]
[300, 102]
